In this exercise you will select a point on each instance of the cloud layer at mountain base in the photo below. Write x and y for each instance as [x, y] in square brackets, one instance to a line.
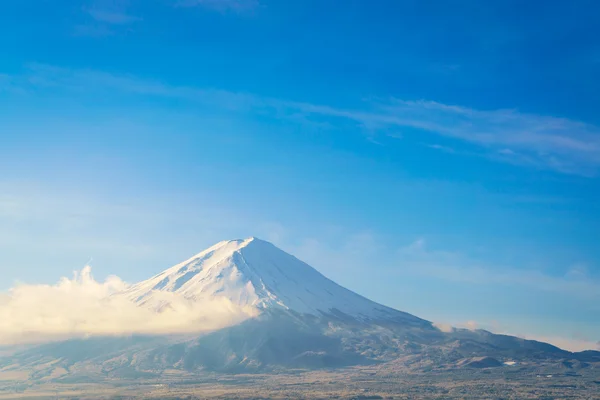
[82, 307]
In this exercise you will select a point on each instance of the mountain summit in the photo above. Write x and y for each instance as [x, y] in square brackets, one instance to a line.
[255, 275]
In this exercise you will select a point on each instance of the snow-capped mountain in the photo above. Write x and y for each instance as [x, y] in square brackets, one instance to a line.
[256, 276]
[270, 311]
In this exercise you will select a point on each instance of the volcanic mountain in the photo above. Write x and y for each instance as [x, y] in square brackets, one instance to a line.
[280, 313]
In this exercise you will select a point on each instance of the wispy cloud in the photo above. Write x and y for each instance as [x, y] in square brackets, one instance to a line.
[454, 267]
[112, 17]
[508, 136]
[84, 225]
[440, 147]
[105, 21]
[92, 30]
[238, 6]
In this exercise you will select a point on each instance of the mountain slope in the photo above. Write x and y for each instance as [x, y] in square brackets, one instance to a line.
[255, 275]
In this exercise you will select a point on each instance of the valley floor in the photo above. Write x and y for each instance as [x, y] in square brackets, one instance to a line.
[381, 382]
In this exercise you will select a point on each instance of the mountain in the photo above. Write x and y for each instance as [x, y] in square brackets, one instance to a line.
[279, 313]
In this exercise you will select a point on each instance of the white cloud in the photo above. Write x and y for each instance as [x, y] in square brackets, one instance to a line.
[81, 307]
[444, 327]
[471, 325]
[447, 327]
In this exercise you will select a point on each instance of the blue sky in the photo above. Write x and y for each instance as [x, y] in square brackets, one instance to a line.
[441, 157]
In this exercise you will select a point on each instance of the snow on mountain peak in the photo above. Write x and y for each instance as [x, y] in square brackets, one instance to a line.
[255, 274]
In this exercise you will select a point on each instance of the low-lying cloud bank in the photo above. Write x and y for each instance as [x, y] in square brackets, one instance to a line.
[82, 307]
